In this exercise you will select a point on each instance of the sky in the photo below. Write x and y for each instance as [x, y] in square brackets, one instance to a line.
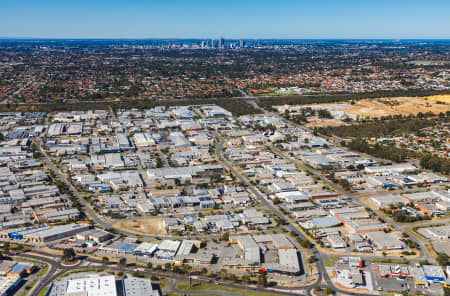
[316, 19]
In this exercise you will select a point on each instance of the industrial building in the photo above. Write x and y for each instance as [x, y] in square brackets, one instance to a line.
[43, 233]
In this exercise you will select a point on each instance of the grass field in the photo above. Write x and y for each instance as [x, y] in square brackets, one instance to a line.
[151, 226]
[389, 260]
[176, 294]
[329, 262]
[184, 286]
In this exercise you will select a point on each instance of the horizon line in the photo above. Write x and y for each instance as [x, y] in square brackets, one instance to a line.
[209, 38]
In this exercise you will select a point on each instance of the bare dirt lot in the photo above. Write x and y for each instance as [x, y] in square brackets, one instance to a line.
[440, 98]
[370, 108]
[151, 226]
[397, 106]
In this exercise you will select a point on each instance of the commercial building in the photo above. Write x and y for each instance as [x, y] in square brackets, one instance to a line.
[133, 286]
[8, 285]
[433, 274]
[43, 233]
[93, 285]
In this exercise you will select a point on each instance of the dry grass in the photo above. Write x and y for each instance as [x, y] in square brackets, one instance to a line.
[370, 108]
[151, 226]
[440, 98]
[397, 106]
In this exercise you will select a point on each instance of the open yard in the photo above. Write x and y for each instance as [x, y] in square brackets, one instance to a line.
[151, 226]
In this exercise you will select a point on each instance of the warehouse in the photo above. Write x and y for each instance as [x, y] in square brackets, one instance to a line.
[252, 254]
[390, 169]
[133, 286]
[289, 263]
[44, 233]
[433, 274]
[146, 249]
[95, 234]
[8, 285]
[386, 201]
[167, 249]
[321, 222]
[385, 241]
[93, 285]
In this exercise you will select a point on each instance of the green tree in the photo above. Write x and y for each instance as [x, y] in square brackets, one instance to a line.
[262, 278]
[123, 261]
[105, 260]
[225, 237]
[68, 254]
[442, 259]
[6, 247]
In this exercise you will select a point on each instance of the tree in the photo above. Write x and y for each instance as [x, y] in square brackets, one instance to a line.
[105, 260]
[149, 265]
[442, 259]
[225, 237]
[262, 278]
[68, 254]
[245, 278]
[6, 248]
[360, 166]
[123, 261]
[328, 291]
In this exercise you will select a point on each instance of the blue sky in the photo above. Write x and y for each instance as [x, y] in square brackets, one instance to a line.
[227, 18]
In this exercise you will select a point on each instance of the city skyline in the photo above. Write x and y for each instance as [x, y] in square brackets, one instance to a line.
[231, 19]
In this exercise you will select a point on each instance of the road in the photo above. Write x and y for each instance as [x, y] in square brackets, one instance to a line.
[86, 262]
[355, 197]
[323, 275]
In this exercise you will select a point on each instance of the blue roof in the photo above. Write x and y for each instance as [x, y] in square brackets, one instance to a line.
[125, 247]
[19, 267]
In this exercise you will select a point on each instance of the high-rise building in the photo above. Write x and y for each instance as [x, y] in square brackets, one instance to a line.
[212, 43]
[241, 43]
[222, 43]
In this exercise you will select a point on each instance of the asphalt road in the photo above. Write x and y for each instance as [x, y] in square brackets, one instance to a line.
[323, 275]
[324, 280]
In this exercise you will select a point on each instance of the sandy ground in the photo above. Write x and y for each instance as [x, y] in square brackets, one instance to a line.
[370, 108]
[151, 226]
[397, 106]
[440, 98]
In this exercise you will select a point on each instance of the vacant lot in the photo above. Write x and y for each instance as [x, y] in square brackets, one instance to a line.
[151, 226]
[397, 106]
[440, 98]
[370, 108]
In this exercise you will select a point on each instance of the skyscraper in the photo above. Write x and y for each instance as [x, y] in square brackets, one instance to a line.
[222, 43]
